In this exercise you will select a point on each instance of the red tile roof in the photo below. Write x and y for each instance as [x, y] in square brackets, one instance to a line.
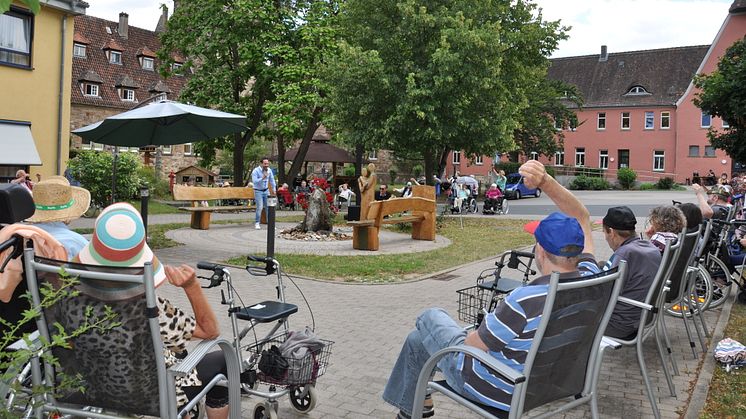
[80, 39]
[129, 74]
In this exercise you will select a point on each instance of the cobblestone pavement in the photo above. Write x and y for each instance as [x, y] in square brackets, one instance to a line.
[369, 322]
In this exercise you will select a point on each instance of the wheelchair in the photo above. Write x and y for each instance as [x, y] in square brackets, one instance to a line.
[495, 206]
[468, 204]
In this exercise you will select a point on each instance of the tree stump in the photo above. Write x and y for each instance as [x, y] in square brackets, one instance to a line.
[318, 216]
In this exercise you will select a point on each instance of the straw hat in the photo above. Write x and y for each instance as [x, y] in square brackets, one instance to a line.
[56, 200]
[118, 241]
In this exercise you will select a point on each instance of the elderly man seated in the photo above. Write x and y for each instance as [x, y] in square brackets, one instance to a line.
[563, 244]
[345, 194]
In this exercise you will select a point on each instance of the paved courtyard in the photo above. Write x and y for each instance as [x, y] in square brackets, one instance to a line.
[369, 322]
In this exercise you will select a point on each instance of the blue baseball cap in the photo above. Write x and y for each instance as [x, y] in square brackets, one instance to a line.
[558, 234]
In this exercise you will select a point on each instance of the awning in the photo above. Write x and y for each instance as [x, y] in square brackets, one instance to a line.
[17, 145]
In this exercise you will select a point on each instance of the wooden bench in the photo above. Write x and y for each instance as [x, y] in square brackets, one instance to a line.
[197, 194]
[421, 213]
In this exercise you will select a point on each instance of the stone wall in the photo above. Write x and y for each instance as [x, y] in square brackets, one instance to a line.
[82, 115]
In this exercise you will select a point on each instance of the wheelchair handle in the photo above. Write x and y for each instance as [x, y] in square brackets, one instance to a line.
[208, 266]
[263, 259]
[522, 254]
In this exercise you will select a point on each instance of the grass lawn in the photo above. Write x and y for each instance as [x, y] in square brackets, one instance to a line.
[727, 395]
[480, 238]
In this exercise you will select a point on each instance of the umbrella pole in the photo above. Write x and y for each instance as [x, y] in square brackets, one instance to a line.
[114, 175]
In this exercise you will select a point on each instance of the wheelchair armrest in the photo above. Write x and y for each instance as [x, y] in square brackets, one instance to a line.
[203, 348]
[635, 303]
[488, 360]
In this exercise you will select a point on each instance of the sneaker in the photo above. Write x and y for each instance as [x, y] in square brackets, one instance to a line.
[257, 226]
[428, 410]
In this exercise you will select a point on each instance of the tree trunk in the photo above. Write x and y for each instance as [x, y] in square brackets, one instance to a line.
[442, 164]
[313, 125]
[238, 163]
[429, 166]
[281, 160]
[318, 215]
[359, 152]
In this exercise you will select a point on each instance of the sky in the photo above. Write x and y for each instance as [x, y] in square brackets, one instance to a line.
[622, 25]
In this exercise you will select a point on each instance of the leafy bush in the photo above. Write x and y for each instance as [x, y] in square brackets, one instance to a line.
[349, 170]
[550, 171]
[93, 169]
[665, 183]
[587, 183]
[392, 174]
[626, 177]
[508, 167]
[417, 170]
[647, 186]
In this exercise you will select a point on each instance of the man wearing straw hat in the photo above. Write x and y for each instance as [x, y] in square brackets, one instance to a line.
[57, 204]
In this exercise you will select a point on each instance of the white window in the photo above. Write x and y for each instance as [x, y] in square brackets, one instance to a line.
[534, 155]
[166, 149]
[147, 63]
[709, 151]
[637, 90]
[127, 95]
[706, 120]
[188, 150]
[603, 159]
[601, 123]
[115, 57]
[15, 38]
[176, 66]
[373, 155]
[559, 158]
[456, 157]
[665, 120]
[85, 145]
[725, 124]
[79, 50]
[161, 96]
[580, 156]
[693, 151]
[649, 120]
[659, 160]
[97, 146]
[123, 149]
[625, 120]
[90, 89]
[478, 160]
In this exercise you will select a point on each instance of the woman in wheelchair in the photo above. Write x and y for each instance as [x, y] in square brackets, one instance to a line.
[462, 197]
[119, 232]
[493, 202]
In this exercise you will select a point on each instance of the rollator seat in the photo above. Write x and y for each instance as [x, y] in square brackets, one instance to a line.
[504, 285]
[266, 311]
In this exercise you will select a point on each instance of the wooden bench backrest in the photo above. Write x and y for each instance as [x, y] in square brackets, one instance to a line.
[422, 200]
[201, 193]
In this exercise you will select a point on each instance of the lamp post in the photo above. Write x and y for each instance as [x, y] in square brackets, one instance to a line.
[144, 196]
[271, 205]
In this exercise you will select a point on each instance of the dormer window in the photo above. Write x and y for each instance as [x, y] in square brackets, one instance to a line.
[90, 89]
[147, 63]
[115, 57]
[637, 90]
[127, 95]
[176, 66]
[79, 50]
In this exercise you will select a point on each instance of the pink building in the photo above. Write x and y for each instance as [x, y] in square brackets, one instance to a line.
[638, 111]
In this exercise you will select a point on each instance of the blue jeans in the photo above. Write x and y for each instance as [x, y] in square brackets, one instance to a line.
[435, 330]
[260, 197]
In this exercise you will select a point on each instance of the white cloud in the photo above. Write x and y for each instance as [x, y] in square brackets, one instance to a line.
[628, 25]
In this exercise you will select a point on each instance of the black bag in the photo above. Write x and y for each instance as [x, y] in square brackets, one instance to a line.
[273, 363]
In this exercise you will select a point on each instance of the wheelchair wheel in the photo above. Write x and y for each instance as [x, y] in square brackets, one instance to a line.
[721, 280]
[505, 206]
[264, 411]
[303, 398]
[702, 291]
[473, 206]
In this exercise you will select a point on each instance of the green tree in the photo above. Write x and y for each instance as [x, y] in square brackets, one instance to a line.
[258, 58]
[723, 94]
[93, 169]
[427, 77]
[553, 104]
[32, 4]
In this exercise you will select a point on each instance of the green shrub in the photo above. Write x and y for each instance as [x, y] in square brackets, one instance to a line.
[665, 183]
[587, 183]
[508, 167]
[93, 169]
[417, 170]
[349, 171]
[550, 171]
[392, 174]
[626, 177]
[647, 186]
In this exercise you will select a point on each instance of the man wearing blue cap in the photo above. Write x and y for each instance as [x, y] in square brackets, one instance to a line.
[562, 243]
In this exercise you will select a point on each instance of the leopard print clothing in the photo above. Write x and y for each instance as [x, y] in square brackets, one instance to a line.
[176, 330]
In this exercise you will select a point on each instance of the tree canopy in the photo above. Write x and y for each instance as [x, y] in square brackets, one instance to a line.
[723, 94]
[32, 4]
[431, 76]
[259, 58]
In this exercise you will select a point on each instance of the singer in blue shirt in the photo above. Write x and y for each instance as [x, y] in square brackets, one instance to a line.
[262, 177]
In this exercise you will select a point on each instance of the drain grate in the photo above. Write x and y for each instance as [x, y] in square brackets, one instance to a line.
[444, 277]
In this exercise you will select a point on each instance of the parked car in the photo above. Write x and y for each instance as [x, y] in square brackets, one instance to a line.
[516, 189]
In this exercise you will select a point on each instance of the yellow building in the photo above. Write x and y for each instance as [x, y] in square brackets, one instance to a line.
[35, 68]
